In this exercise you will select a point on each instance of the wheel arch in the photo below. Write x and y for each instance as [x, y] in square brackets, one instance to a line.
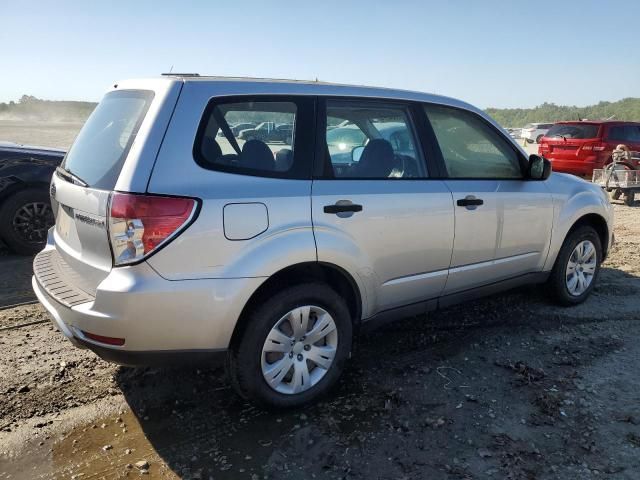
[20, 185]
[599, 224]
[334, 276]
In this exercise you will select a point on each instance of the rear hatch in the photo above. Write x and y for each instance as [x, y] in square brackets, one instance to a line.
[114, 151]
[571, 141]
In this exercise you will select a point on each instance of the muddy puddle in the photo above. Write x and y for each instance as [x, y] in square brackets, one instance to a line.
[181, 440]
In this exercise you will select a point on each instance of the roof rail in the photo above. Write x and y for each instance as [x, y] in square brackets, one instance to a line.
[171, 74]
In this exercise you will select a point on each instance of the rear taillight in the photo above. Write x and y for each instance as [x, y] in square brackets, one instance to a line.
[139, 224]
[596, 147]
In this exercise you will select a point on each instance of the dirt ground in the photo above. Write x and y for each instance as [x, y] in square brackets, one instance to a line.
[44, 134]
[506, 387]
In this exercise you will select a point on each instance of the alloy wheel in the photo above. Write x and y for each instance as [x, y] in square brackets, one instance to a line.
[32, 221]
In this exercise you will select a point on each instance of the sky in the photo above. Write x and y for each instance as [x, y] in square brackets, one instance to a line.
[489, 53]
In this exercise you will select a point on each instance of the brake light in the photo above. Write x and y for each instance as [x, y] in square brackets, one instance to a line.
[139, 224]
[596, 147]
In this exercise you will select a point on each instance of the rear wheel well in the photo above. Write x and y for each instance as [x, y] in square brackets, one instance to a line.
[335, 277]
[599, 224]
[19, 186]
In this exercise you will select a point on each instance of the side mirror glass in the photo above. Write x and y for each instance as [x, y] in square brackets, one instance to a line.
[539, 168]
[356, 153]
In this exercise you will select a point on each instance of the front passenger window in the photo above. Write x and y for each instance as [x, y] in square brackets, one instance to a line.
[471, 148]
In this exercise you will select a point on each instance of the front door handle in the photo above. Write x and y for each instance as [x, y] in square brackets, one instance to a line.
[342, 208]
[469, 201]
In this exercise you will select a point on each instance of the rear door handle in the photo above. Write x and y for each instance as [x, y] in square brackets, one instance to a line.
[342, 208]
[469, 201]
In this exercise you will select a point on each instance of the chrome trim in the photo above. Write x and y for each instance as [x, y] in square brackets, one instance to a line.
[415, 277]
[497, 261]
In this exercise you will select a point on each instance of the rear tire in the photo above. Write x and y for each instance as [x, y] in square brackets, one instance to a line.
[629, 198]
[561, 280]
[25, 218]
[249, 366]
[539, 138]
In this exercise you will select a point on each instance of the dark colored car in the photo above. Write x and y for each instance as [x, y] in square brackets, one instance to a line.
[236, 128]
[25, 210]
[581, 147]
[269, 132]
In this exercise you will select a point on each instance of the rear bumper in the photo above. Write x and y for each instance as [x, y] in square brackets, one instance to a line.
[162, 321]
[172, 358]
[580, 168]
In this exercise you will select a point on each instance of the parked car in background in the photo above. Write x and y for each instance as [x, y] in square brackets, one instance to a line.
[582, 146]
[533, 132]
[190, 248]
[25, 210]
[238, 127]
[514, 132]
[268, 132]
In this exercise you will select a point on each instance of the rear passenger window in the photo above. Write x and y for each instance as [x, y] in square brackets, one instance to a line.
[471, 148]
[370, 140]
[625, 133]
[250, 137]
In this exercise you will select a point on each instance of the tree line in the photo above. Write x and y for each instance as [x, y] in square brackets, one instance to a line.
[32, 108]
[626, 109]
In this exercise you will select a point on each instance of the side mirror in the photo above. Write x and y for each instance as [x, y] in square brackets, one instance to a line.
[356, 153]
[539, 168]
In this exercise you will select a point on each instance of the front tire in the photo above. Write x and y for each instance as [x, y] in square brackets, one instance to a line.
[294, 347]
[577, 267]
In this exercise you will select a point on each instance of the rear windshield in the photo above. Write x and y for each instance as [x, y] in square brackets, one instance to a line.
[98, 153]
[573, 131]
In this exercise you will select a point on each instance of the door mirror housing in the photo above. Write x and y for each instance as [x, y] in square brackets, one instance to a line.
[539, 168]
[356, 153]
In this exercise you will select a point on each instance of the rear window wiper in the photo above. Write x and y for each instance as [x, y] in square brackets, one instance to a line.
[70, 177]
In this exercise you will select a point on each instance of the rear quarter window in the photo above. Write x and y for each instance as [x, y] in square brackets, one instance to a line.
[625, 133]
[257, 136]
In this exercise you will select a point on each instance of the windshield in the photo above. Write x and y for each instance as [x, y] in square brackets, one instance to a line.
[98, 153]
[573, 131]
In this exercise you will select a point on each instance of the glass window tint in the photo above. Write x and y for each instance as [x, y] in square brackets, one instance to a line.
[471, 148]
[371, 140]
[99, 151]
[625, 133]
[253, 137]
[573, 130]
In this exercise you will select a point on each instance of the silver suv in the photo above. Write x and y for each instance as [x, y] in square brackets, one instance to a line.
[175, 239]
